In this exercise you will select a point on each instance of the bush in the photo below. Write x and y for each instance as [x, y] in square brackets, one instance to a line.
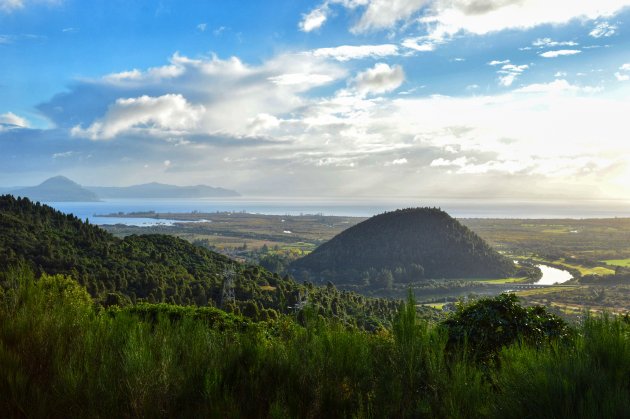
[486, 326]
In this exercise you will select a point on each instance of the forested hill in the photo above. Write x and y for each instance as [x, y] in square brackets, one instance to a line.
[158, 268]
[402, 246]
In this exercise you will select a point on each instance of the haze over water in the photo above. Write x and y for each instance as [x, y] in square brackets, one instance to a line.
[341, 207]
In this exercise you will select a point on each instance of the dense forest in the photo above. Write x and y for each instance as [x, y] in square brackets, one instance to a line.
[403, 246]
[160, 268]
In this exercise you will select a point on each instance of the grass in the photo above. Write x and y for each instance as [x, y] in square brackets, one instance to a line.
[539, 291]
[437, 306]
[502, 280]
[618, 262]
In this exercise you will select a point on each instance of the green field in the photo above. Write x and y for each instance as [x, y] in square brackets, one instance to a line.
[618, 262]
[502, 280]
[585, 270]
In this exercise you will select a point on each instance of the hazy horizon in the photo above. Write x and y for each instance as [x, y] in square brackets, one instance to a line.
[445, 99]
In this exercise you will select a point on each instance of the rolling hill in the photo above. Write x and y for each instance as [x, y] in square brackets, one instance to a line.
[402, 246]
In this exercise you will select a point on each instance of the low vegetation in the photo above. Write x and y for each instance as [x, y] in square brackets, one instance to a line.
[62, 355]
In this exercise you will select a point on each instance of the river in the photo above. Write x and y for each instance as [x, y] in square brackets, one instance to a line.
[551, 275]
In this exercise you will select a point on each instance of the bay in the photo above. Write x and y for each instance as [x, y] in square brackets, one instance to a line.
[357, 207]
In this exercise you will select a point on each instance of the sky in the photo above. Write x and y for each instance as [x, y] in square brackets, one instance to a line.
[479, 99]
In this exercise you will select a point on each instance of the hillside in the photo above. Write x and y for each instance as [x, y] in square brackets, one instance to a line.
[403, 246]
[57, 189]
[159, 268]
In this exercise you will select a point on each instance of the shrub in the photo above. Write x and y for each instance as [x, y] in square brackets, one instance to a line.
[489, 324]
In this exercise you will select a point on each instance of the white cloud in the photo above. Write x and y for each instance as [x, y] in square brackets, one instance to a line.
[8, 6]
[263, 122]
[514, 68]
[448, 17]
[168, 114]
[624, 72]
[445, 18]
[560, 74]
[603, 29]
[12, 119]
[338, 141]
[380, 79]
[441, 162]
[384, 14]
[498, 62]
[202, 27]
[353, 52]
[397, 162]
[509, 72]
[560, 52]
[167, 163]
[421, 44]
[314, 19]
[218, 31]
[63, 154]
[301, 79]
[557, 86]
[230, 91]
[548, 42]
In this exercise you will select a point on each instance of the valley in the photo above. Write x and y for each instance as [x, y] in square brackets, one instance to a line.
[594, 248]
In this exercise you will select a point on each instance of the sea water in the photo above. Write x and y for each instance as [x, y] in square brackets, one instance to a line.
[335, 206]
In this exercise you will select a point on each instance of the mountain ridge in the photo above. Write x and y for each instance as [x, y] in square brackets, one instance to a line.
[62, 189]
[57, 189]
[161, 190]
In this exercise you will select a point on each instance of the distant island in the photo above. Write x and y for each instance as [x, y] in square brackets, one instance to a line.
[57, 189]
[62, 189]
[161, 190]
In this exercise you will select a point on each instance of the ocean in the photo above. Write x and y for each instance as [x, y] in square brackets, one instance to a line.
[342, 207]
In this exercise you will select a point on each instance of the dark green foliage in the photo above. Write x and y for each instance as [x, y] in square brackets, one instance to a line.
[62, 356]
[486, 326]
[160, 269]
[587, 379]
[402, 246]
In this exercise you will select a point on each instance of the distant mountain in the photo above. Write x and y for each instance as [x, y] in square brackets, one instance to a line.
[401, 246]
[57, 189]
[160, 190]
[62, 189]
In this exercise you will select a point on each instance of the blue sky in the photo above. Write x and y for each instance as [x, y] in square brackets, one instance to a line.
[417, 98]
